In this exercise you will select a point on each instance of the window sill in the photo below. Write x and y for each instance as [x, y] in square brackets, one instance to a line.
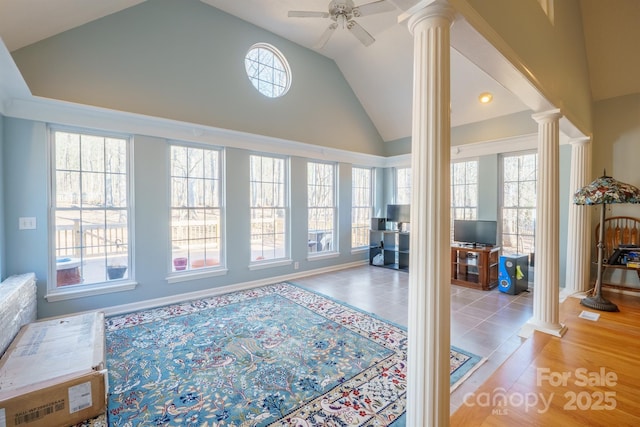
[195, 275]
[322, 255]
[81, 291]
[270, 264]
[360, 250]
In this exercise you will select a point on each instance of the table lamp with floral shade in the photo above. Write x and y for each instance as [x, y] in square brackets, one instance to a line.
[603, 191]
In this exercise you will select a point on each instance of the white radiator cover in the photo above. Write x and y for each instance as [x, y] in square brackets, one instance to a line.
[17, 306]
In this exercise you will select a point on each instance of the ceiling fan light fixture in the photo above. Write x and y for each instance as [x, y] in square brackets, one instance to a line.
[485, 98]
[342, 20]
[342, 12]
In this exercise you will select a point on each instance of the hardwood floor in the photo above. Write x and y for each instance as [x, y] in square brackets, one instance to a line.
[524, 373]
[589, 377]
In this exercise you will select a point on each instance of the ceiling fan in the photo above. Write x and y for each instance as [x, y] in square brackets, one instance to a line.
[342, 13]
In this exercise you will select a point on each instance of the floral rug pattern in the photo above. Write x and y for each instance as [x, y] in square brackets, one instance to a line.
[272, 356]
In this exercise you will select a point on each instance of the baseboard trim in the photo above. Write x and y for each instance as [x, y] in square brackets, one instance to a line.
[172, 299]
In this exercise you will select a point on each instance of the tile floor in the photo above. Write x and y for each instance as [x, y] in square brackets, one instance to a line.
[483, 322]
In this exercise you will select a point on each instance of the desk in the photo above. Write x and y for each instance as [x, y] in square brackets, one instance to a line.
[68, 271]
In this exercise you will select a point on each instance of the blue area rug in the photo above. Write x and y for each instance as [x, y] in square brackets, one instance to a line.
[277, 355]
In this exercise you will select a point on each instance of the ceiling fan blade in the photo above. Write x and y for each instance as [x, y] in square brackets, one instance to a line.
[373, 8]
[324, 38]
[307, 14]
[360, 33]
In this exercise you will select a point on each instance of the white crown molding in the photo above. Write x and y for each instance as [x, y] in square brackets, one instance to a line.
[483, 148]
[399, 161]
[17, 101]
[72, 114]
[498, 146]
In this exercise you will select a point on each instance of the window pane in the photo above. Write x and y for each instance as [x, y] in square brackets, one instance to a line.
[472, 172]
[361, 206]
[91, 208]
[195, 159]
[527, 192]
[92, 153]
[518, 203]
[464, 191]
[67, 151]
[510, 194]
[115, 155]
[267, 70]
[403, 185]
[321, 207]
[268, 200]
[528, 167]
[510, 168]
[196, 216]
[178, 161]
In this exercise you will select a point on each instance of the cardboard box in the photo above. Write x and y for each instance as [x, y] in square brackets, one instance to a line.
[53, 373]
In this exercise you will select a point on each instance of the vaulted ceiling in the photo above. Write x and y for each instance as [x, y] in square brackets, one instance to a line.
[381, 74]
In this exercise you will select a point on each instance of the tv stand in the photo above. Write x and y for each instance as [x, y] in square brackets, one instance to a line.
[475, 266]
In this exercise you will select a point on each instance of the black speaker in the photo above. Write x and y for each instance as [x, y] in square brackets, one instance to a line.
[513, 274]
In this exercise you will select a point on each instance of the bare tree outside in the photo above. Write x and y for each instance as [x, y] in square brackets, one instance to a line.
[91, 208]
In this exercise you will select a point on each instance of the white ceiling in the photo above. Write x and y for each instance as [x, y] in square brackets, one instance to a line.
[380, 75]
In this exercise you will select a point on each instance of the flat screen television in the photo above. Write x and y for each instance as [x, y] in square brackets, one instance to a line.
[476, 232]
[398, 213]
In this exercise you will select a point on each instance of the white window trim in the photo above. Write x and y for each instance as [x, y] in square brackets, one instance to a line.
[283, 60]
[477, 184]
[205, 272]
[186, 276]
[258, 264]
[57, 293]
[323, 255]
[501, 192]
[336, 250]
[82, 291]
[396, 183]
[364, 247]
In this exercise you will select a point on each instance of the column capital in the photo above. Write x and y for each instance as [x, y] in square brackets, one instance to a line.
[547, 116]
[429, 9]
[582, 140]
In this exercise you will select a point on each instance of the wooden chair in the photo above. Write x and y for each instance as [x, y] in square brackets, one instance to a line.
[618, 231]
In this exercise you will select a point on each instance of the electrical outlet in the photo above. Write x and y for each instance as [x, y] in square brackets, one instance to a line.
[296, 265]
[27, 223]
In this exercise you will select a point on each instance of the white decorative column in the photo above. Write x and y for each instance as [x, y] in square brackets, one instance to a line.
[577, 277]
[430, 271]
[546, 291]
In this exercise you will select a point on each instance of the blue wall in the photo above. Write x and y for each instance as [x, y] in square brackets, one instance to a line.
[185, 61]
[25, 166]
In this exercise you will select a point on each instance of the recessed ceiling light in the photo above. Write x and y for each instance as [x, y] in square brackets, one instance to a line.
[485, 98]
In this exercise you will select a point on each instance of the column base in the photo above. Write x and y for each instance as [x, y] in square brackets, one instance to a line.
[556, 330]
